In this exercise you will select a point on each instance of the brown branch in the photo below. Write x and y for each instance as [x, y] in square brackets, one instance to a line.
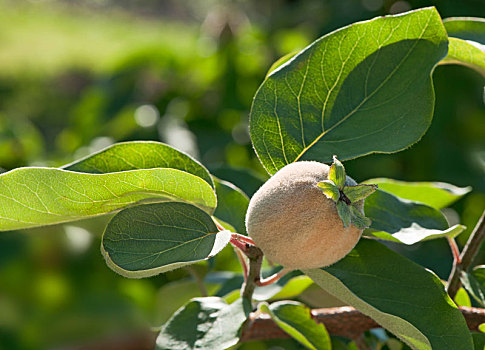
[467, 256]
[342, 321]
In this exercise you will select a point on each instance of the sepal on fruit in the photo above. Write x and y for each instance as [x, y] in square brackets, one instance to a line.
[346, 196]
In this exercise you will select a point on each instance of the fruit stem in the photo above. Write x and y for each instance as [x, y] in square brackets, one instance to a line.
[454, 250]
[243, 262]
[466, 257]
[274, 278]
[242, 238]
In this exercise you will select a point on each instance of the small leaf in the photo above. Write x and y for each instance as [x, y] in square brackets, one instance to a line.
[146, 240]
[329, 190]
[204, 324]
[290, 286]
[232, 205]
[336, 173]
[399, 220]
[296, 320]
[344, 213]
[358, 219]
[359, 192]
[400, 295]
[481, 327]
[462, 298]
[31, 197]
[438, 195]
[135, 155]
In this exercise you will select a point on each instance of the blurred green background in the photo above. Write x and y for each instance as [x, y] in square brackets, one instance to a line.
[77, 76]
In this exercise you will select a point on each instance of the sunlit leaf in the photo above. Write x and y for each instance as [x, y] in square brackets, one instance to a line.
[351, 92]
[401, 296]
[461, 298]
[467, 53]
[330, 190]
[336, 173]
[204, 324]
[399, 220]
[146, 240]
[296, 320]
[139, 155]
[290, 286]
[435, 194]
[31, 197]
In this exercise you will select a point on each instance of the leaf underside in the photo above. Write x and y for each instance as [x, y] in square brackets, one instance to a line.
[31, 197]
[364, 88]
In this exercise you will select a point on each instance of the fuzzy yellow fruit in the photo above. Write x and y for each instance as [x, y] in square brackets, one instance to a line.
[295, 224]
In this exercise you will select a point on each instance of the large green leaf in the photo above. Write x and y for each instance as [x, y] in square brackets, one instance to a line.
[204, 324]
[139, 155]
[285, 288]
[400, 295]
[466, 28]
[435, 194]
[232, 204]
[399, 220]
[364, 88]
[467, 53]
[296, 320]
[149, 239]
[32, 197]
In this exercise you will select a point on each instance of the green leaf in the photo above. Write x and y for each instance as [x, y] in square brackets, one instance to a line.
[146, 240]
[462, 298]
[478, 340]
[336, 173]
[403, 297]
[399, 220]
[344, 213]
[330, 190]
[296, 320]
[232, 204]
[351, 92]
[474, 283]
[358, 219]
[466, 28]
[438, 195]
[284, 288]
[359, 192]
[481, 327]
[467, 53]
[204, 324]
[31, 197]
[139, 155]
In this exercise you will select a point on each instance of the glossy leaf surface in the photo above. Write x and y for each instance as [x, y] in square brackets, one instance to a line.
[295, 319]
[204, 324]
[399, 220]
[474, 283]
[146, 240]
[351, 92]
[400, 295]
[438, 195]
[31, 197]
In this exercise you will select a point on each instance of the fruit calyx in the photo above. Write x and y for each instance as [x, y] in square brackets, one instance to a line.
[346, 196]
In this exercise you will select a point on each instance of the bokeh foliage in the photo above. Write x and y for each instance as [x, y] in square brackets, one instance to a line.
[75, 77]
